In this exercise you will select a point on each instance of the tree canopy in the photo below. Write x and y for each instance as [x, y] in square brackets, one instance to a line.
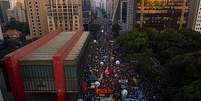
[179, 55]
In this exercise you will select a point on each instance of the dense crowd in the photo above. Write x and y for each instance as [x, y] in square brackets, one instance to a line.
[106, 69]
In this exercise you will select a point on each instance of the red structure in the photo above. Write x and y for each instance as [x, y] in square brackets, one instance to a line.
[12, 64]
[58, 63]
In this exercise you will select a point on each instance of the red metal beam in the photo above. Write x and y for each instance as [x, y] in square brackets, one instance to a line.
[12, 65]
[58, 63]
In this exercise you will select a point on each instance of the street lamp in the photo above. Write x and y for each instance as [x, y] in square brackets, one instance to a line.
[102, 30]
[95, 41]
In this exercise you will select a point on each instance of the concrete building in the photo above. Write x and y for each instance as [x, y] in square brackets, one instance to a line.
[36, 11]
[101, 4]
[195, 15]
[163, 13]
[86, 9]
[66, 13]
[123, 13]
[93, 4]
[48, 69]
[109, 7]
[151, 13]
[3, 88]
[17, 12]
[4, 6]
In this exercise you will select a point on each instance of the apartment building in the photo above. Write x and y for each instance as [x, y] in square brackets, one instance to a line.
[65, 13]
[195, 15]
[37, 17]
[151, 13]
[4, 6]
[17, 12]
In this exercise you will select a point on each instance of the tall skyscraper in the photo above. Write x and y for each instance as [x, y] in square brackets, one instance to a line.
[86, 9]
[17, 11]
[162, 13]
[109, 7]
[195, 15]
[151, 13]
[65, 13]
[93, 4]
[37, 17]
[4, 6]
[123, 13]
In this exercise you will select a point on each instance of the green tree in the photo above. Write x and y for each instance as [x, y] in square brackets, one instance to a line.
[192, 40]
[134, 41]
[185, 68]
[190, 92]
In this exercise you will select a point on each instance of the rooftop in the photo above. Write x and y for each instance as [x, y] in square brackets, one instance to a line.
[48, 50]
[74, 53]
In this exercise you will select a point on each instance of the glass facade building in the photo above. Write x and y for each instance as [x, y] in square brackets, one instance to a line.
[162, 13]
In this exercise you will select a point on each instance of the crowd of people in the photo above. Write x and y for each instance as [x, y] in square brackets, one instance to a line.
[106, 76]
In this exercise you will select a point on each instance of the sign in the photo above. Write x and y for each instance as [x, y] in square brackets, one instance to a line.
[104, 91]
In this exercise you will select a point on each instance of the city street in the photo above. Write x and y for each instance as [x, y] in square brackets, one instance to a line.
[106, 77]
